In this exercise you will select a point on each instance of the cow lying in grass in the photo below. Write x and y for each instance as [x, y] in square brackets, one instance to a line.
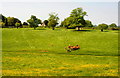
[70, 48]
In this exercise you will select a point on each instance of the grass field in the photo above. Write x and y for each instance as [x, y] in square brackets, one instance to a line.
[28, 52]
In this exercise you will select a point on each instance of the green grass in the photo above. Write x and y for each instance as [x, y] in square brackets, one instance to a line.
[28, 52]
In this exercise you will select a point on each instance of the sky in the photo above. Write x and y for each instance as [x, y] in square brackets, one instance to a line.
[98, 12]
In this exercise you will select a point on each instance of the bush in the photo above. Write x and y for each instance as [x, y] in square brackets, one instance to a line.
[17, 24]
[2, 25]
[114, 28]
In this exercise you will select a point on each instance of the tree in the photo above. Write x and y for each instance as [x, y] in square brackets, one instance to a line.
[3, 19]
[113, 25]
[16, 20]
[78, 16]
[67, 22]
[33, 21]
[53, 16]
[52, 23]
[102, 26]
[53, 20]
[10, 21]
[45, 22]
[78, 12]
[25, 23]
[88, 23]
[17, 24]
[76, 19]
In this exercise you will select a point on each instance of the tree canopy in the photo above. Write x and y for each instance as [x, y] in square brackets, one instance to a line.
[78, 12]
[33, 21]
[25, 23]
[54, 16]
[3, 18]
[88, 23]
[52, 23]
[112, 25]
[45, 22]
[102, 26]
[53, 20]
[76, 19]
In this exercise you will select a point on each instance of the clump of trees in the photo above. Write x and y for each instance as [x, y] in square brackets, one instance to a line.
[34, 21]
[9, 21]
[104, 26]
[76, 19]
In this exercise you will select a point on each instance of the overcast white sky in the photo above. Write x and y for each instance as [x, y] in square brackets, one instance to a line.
[98, 11]
[60, 0]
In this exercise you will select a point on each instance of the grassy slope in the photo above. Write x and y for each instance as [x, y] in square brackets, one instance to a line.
[41, 52]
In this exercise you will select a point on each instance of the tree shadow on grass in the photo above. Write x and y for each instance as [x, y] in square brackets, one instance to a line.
[96, 54]
[105, 31]
[84, 30]
[57, 29]
[39, 29]
[90, 53]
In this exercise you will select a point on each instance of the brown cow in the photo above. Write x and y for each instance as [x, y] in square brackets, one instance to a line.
[70, 48]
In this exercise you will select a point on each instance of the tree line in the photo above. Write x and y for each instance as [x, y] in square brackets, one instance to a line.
[75, 20]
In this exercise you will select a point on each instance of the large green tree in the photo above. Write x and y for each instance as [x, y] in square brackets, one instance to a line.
[102, 26]
[53, 20]
[76, 19]
[67, 22]
[34, 21]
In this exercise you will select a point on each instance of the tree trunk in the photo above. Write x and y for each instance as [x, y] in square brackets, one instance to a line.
[34, 28]
[17, 27]
[101, 30]
[78, 28]
[53, 28]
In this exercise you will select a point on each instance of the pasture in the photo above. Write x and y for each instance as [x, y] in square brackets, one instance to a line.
[40, 52]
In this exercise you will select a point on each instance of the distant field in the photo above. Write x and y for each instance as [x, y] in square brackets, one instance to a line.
[29, 52]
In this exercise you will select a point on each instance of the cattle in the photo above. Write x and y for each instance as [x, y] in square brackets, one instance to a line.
[70, 48]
